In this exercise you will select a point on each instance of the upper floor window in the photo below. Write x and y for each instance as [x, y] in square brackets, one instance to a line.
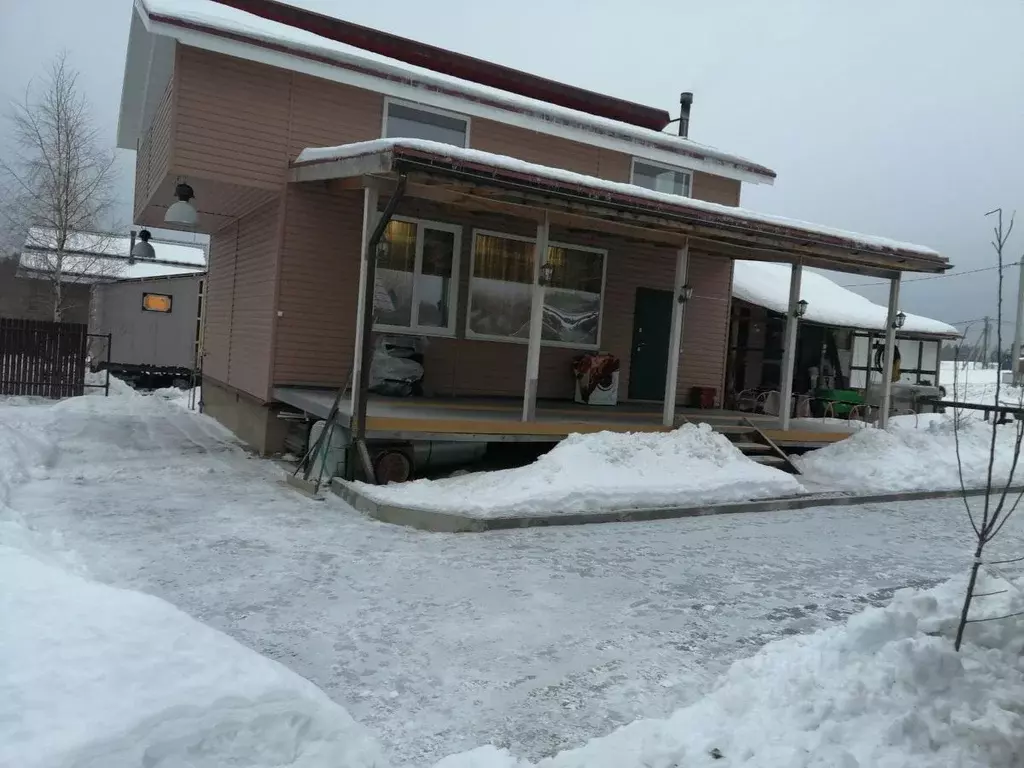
[408, 122]
[661, 178]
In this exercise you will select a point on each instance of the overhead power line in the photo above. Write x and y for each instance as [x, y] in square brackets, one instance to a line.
[935, 277]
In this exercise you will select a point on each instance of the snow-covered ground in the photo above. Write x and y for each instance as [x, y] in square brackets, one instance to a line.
[603, 471]
[886, 689]
[971, 383]
[534, 640]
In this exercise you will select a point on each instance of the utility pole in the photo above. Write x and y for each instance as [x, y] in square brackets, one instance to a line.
[984, 342]
[1018, 328]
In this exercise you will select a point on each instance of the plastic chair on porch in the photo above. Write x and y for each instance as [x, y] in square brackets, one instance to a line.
[769, 402]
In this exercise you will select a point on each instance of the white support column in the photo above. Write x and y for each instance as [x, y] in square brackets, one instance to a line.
[668, 411]
[370, 199]
[789, 345]
[890, 350]
[540, 256]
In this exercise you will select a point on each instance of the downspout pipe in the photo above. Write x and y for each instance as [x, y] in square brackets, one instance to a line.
[366, 352]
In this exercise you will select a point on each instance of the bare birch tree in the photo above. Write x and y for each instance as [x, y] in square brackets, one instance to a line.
[59, 181]
[999, 502]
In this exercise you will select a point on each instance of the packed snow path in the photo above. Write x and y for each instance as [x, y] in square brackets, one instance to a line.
[535, 639]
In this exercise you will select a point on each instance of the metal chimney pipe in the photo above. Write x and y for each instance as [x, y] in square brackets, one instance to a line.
[685, 102]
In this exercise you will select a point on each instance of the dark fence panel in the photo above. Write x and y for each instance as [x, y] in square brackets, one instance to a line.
[41, 358]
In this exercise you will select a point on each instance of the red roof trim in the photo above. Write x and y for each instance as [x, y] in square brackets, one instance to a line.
[455, 64]
[652, 141]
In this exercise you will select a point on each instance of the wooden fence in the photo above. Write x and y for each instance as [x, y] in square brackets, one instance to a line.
[42, 358]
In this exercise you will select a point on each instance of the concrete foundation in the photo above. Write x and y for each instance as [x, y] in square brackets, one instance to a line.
[253, 422]
[453, 522]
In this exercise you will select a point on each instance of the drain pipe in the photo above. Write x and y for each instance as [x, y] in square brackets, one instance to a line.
[362, 386]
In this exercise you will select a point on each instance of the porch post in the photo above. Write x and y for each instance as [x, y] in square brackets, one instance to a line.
[540, 255]
[668, 411]
[789, 345]
[370, 199]
[890, 349]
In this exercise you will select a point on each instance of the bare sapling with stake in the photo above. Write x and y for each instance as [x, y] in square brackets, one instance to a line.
[58, 181]
[999, 503]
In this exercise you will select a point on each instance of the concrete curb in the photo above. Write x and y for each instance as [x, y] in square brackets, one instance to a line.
[447, 522]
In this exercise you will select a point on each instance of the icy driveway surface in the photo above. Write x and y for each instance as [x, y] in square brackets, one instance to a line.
[534, 639]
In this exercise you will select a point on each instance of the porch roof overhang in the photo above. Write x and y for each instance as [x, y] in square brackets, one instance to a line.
[482, 181]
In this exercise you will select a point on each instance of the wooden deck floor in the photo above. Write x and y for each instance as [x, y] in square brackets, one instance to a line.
[498, 419]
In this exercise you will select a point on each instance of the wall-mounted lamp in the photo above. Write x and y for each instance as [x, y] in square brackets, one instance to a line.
[801, 308]
[141, 249]
[901, 318]
[547, 271]
[182, 213]
[685, 294]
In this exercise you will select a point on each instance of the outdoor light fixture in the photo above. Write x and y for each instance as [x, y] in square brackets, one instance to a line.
[685, 294]
[547, 271]
[182, 213]
[801, 308]
[901, 318]
[142, 249]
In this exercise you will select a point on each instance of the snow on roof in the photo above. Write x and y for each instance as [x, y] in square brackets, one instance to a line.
[853, 239]
[101, 243]
[766, 284]
[99, 256]
[207, 15]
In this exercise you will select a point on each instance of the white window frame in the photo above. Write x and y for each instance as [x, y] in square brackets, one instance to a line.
[388, 101]
[665, 166]
[414, 329]
[470, 334]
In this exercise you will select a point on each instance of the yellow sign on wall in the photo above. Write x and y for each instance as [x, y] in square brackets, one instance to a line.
[156, 302]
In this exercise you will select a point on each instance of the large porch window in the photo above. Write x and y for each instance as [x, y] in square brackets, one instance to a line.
[419, 272]
[500, 291]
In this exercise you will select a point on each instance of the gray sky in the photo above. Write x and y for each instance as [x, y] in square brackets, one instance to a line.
[903, 119]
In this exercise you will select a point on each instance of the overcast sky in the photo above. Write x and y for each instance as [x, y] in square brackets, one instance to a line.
[902, 118]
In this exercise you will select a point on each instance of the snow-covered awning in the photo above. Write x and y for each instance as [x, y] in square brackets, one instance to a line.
[95, 256]
[767, 285]
[729, 230]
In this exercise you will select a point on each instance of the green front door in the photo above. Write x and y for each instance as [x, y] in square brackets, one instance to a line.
[648, 361]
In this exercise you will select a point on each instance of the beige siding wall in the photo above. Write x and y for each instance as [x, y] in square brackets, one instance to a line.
[716, 189]
[242, 122]
[240, 302]
[315, 337]
[220, 285]
[232, 119]
[153, 159]
[319, 285]
[503, 139]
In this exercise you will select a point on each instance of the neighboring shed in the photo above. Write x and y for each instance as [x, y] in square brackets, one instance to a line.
[155, 326]
[841, 334]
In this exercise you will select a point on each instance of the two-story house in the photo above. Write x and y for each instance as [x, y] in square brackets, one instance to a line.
[526, 221]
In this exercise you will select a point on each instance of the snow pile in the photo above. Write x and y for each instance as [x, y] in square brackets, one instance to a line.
[689, 466]
[913, 453]
[96, 676]
[885, 690]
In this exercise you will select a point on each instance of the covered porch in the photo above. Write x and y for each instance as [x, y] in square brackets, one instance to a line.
[396, 173]
[492, 419]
